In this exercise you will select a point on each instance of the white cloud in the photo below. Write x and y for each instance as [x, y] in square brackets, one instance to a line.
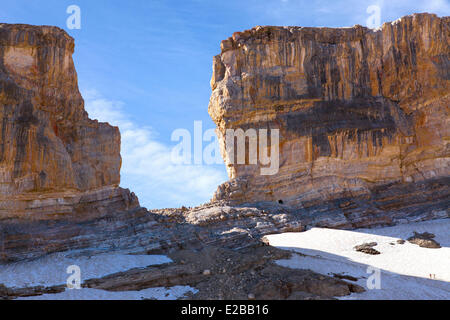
[147, 168]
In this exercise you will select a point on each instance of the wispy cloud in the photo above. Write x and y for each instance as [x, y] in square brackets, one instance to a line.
[147, 168]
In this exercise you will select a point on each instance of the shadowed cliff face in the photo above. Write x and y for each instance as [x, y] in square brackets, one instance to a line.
[56, 164]
[54, 160]
[356, 108]
[47, 141]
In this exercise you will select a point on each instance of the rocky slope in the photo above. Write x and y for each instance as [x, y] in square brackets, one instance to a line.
[359, 111]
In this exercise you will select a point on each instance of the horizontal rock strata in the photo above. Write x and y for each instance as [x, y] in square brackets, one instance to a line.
[57, 166]
[47, 141]
[359, 112]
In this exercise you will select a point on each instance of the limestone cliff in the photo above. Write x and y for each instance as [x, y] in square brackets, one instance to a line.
[51, 153]
[359, 110]
[47, 140]
[55, 162]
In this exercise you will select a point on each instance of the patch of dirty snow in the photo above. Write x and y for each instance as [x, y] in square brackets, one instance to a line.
[52, 269]
[407, 270]
[158, 293]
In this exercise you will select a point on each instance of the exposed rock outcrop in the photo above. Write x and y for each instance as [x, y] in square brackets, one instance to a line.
[360, 112]
[367, 248]
[55, 163]
[47, 141]
[424, 240]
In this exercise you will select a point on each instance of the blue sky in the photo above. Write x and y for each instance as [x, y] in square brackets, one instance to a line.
[146, 65]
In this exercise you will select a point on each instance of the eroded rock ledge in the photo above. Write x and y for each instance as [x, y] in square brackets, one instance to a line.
[360, 112]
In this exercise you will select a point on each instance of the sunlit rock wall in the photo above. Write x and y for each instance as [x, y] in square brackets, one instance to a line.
[356, 108]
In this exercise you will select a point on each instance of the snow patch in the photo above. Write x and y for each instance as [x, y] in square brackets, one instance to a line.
[158, 293]
[51, 270]
[407, 270]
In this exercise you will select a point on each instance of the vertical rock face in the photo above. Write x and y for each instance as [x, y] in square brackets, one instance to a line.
[356, 108]
[58, 168]
[47, 141]
[53, 158]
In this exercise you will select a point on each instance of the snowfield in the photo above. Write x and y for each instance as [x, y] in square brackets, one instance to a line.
[159, 293]
[407, 271]
[52, 269]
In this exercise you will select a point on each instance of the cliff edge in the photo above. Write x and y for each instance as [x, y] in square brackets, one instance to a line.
[360, 112]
